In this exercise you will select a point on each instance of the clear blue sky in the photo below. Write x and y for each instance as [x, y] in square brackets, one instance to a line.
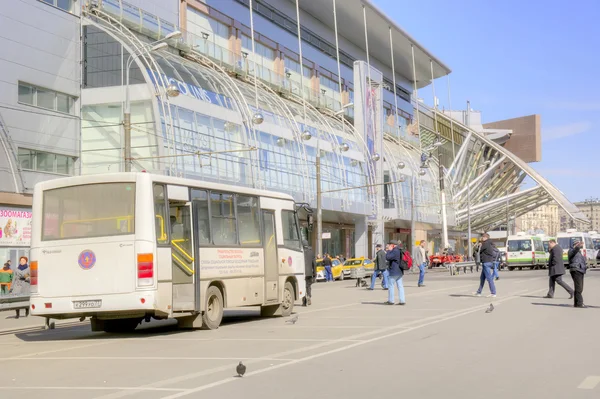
[514, 58]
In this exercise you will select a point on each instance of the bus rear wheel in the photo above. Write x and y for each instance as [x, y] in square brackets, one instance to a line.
[213, 311]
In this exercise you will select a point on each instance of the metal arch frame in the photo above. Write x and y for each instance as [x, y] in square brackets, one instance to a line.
[112, 24]
[241, 100]
[288, 115]
[371, 177]
[370, 171]
[496, 186]
[171, 60]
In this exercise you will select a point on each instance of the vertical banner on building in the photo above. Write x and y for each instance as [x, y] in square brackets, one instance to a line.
[368, 121]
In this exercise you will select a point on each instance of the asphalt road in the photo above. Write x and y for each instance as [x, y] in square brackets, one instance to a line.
[346, 345]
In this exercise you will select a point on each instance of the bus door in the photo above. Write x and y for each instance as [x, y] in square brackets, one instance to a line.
[271, 257]
[182, 256]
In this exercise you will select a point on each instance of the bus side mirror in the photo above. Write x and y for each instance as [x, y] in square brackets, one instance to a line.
[311, 222]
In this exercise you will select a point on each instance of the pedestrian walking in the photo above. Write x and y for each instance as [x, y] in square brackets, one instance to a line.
[327, 265]
[381, 268]
[420, 259]
[556, 269]
[310, 271]
[6, 276]
[487, 255]
[394, 258]
[577, 267]
[20, 284]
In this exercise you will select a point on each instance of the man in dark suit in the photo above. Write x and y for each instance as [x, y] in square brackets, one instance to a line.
[310, 271]
[556, 269]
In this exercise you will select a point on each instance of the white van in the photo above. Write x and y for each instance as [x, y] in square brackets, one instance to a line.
[595, 236]
[566, 240]
[525, 251]
[546, 244]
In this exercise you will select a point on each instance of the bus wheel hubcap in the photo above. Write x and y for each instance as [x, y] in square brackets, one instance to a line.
[287, 300]
[212, 307]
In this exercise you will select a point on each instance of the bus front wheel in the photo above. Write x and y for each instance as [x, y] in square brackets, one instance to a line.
[213, 311]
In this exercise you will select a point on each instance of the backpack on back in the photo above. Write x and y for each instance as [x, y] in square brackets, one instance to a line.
[406, 261]
[496, 252]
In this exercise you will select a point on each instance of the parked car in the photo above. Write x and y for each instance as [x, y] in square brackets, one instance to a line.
[357, 263]
[336, 270]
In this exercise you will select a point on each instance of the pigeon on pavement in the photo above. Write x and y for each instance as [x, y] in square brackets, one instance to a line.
[240, 369]
[293, 320]
[490, 309]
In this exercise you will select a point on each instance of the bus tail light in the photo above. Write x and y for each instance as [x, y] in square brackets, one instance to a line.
[145, 269]
[585, 253]
[33, 276]
[532, 257]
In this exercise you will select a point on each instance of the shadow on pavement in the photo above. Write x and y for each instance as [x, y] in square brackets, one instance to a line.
[532, 296]
[464, 296]
[154, 328]
[561, 305]
[375, 303]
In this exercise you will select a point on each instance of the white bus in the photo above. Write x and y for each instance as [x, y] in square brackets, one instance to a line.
[125, 247]
[568, 238]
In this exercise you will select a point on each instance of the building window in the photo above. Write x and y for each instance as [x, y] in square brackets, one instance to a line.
[65, 5]
[45, 98]
[41, 161]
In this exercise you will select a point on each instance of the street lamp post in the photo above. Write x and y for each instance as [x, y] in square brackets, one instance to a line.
[469, 220]
[171, 92]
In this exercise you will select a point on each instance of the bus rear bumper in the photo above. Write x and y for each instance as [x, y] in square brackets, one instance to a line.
[129, 305]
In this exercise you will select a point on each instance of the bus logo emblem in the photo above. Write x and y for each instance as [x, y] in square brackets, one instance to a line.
[290, 260]
[87, 259]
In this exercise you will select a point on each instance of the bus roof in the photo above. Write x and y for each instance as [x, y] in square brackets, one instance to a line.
[135, 176]
[571, 233]
[524, 237]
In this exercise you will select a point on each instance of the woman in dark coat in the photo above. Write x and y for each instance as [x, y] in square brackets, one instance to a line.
[21, 283]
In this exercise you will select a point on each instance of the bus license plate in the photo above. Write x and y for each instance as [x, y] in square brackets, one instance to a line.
[87, 304]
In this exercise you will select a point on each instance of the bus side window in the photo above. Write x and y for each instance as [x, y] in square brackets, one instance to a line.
[223, 222]
[248, 220]
[200, 200]
[160, 215]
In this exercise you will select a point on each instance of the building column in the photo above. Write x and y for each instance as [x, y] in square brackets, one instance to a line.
[361, 240]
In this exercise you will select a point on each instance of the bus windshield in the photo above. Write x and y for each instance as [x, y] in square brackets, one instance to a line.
[92, 210]
[546, 246]
[519, 245]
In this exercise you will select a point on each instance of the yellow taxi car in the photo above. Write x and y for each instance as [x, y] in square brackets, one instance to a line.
[336, 270]
[357, 263]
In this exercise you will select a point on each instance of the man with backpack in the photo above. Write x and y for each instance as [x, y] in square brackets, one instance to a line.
[396, 267]
[487, 259]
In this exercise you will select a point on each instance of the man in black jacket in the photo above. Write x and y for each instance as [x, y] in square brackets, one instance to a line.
[577, 267]
[556, 269]
[380, 268]
[310, 270]
[488, 256]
